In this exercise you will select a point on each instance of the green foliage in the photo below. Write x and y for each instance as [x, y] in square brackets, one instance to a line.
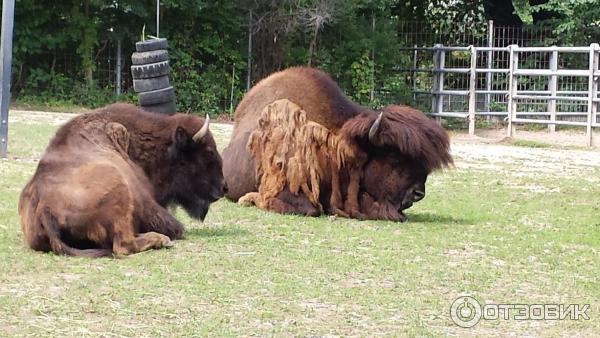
[361, 72]
[58, 45]
[456, 16]
[575, 22]
[523, 10]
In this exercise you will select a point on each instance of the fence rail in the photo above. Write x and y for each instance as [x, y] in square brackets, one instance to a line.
[523, 84]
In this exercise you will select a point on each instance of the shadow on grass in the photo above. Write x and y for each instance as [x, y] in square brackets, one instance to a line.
[216, 232]
[426, 217]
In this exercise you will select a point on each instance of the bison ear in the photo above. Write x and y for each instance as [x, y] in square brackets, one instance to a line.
[181, 138]
[364, 127]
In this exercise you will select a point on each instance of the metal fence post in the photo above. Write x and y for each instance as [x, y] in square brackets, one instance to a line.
[512, 88]
[472, 88]
[490, 58]
[435, 81]
[592, 92]
[8, 9]
[552, 86]
[118, 69]
[442, 65]
[414, 77]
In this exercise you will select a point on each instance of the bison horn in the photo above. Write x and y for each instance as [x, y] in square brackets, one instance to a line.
[203, 131]
[375, 128]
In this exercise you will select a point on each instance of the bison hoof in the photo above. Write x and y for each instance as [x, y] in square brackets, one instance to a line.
[358, 215]
[402, 217]
[165, 241]
[339, 212]
[249, 199]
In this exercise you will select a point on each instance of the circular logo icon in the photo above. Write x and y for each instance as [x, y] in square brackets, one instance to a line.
[465, 311]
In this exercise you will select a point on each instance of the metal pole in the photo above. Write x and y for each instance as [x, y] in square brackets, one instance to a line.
[118, 69]
[414, 77]
[440, 101]
[8, 10]
[553, 86]
[157, 18]
[512, 88]
[249, 72]
[472, 93]
[232, 84]
[372, 94]
[592, 92]
[490, 58]
[435, 83]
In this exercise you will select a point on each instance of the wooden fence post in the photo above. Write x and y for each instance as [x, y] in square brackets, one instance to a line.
[553, 86]
[472, 88]
[592, 92]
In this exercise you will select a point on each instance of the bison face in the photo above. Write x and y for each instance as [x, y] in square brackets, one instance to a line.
[195, 175]
[401, 146]
[394, 182]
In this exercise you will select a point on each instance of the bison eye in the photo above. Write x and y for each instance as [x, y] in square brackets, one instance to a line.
[395, 161]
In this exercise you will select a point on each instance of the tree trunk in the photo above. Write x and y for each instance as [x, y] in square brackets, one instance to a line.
[88, 62]
[313, 45]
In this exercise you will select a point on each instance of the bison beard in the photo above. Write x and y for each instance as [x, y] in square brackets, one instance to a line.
[105, 179]
[300, 146]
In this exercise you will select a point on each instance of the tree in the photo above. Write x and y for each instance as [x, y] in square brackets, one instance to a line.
[575, 22]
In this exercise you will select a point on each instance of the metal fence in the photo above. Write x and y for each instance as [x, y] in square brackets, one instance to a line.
[421, 33]
[542, 85]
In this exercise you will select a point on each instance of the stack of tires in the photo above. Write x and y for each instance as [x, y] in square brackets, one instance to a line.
[150, 72]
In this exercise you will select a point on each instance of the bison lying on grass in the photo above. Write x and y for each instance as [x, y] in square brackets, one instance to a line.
[104, 181]
[300, 146]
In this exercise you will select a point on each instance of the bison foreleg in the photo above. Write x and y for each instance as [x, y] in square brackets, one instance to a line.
[336, 203]
[284, 203]
[139, 243]
[158, 219]
[288, 203]
[351, 206]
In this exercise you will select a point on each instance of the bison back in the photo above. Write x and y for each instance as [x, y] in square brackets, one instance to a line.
[311, 89]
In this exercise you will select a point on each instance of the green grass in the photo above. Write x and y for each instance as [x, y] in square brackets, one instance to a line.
[530, 144]
[502, 236]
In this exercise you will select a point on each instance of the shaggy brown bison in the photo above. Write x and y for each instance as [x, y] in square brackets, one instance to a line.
[106, 177]
[300, 146]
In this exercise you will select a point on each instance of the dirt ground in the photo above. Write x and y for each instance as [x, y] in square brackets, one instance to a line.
[561, 138]
[559, 148]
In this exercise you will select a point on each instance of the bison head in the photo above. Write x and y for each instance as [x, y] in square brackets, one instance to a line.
[195, 173]
[402, 146]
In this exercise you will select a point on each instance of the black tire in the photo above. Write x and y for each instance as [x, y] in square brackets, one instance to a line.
[150, 70]
[168, 108]
[153, 83]
[156, 96]
[154, 56]
[152, 44]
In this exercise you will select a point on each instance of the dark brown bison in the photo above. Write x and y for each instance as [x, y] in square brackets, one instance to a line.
[106, 177]
[300, 146]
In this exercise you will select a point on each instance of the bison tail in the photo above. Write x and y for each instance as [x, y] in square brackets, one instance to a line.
[49, 223]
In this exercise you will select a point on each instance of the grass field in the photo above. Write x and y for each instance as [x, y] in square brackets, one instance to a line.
[507, 225]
